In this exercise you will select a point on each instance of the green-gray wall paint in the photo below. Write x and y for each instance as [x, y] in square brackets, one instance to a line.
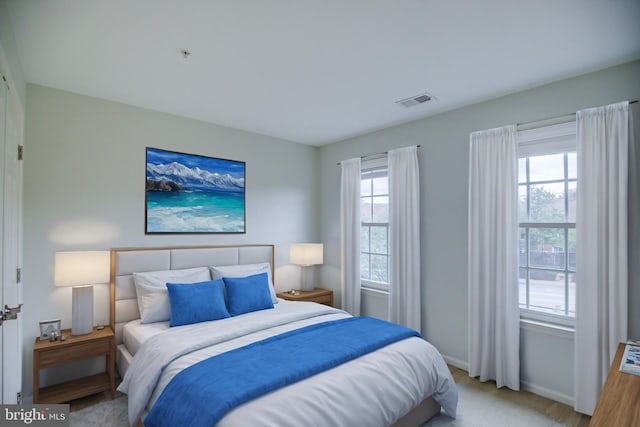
[83, 189]
[444, 159]
[84, 174]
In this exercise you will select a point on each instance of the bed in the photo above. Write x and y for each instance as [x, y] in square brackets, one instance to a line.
[403, 383]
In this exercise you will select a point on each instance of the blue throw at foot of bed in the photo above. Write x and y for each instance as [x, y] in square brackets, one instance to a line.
[203, 393]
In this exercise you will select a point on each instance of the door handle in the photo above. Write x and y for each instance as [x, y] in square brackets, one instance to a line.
[10, 313]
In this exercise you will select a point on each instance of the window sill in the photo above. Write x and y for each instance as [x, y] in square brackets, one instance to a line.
[374, 291]
[547, 328]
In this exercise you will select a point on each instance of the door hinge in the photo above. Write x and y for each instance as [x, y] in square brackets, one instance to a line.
[20, 152]
[19, 398]
[10, 313]
[18, 275]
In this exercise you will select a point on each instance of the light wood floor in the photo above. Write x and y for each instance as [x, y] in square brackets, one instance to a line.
[560, 412]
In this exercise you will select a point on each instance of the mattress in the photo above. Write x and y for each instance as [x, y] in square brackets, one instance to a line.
[135, 333]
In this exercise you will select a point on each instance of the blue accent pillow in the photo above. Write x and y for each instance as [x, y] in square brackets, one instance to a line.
[196, 302]
[246, 294]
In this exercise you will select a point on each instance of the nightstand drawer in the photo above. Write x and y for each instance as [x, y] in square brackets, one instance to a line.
[323, 299]
[72, 353]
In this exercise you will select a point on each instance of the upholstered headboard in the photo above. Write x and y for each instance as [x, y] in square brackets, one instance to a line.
[126, 261]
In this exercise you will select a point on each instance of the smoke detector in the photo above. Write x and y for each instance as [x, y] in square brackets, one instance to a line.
[415, 100]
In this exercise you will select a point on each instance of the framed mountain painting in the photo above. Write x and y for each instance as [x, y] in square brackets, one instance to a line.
[188, 193]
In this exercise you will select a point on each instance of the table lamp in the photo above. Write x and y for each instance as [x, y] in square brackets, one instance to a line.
[81, 270]
[306, 255]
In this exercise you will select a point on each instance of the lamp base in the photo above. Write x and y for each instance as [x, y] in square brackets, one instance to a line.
[81, 310]
[307, 284]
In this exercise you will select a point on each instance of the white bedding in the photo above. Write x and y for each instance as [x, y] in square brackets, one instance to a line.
[135, 333]
[373, 390]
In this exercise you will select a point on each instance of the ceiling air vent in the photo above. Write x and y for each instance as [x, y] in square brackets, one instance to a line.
[415, 100]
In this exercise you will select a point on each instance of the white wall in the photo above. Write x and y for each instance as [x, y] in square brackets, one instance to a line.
[84, 190]
[443, 159]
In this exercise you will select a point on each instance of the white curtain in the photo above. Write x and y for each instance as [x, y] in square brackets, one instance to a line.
[494, 317]
[350, 235]
[404, 237]
[633, 218]
[601, 258]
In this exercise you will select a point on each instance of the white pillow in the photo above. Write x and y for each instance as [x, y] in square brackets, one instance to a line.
[244, 270]
[151, 289]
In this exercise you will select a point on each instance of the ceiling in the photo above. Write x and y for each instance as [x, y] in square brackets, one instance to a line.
[315, 72]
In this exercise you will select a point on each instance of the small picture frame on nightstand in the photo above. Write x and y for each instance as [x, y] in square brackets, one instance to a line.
[49, 328]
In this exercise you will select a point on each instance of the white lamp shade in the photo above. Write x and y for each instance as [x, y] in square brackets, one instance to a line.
[306, 253]
[81, 268]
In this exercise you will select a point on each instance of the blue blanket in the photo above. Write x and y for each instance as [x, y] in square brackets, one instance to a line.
[203, 393]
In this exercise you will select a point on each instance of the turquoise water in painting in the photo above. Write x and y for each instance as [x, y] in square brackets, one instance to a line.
[195, 211]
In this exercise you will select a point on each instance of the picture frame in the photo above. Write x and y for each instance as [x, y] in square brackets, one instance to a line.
[48, 328]
[193, 194]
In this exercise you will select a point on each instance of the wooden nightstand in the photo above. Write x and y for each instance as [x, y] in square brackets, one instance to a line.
[74, 348]
[319, 295]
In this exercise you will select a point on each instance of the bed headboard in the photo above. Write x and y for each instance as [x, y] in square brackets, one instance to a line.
[126, 261]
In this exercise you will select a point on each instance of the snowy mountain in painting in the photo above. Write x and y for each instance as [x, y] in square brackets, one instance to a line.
[193, 178]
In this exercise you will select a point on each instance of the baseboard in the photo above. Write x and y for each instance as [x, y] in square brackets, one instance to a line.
[524, 385]
[548, 393]
[461, 364]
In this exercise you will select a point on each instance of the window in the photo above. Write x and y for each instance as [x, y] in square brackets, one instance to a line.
[374, 230]
[547, 184]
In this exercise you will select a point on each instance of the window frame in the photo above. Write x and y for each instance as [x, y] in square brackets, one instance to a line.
[539, 141]
[372, 167]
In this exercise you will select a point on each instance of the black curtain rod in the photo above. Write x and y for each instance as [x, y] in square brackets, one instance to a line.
[384, 153]
[519, 124]
[542, 122]
[630, 102]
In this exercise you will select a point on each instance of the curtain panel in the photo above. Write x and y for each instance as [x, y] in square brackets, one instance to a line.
[601, 256]
[350, 235]
[404, 237]
[494, 316]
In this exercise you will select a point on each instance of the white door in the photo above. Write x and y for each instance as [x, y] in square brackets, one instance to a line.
[11, 330]
[3, 103]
